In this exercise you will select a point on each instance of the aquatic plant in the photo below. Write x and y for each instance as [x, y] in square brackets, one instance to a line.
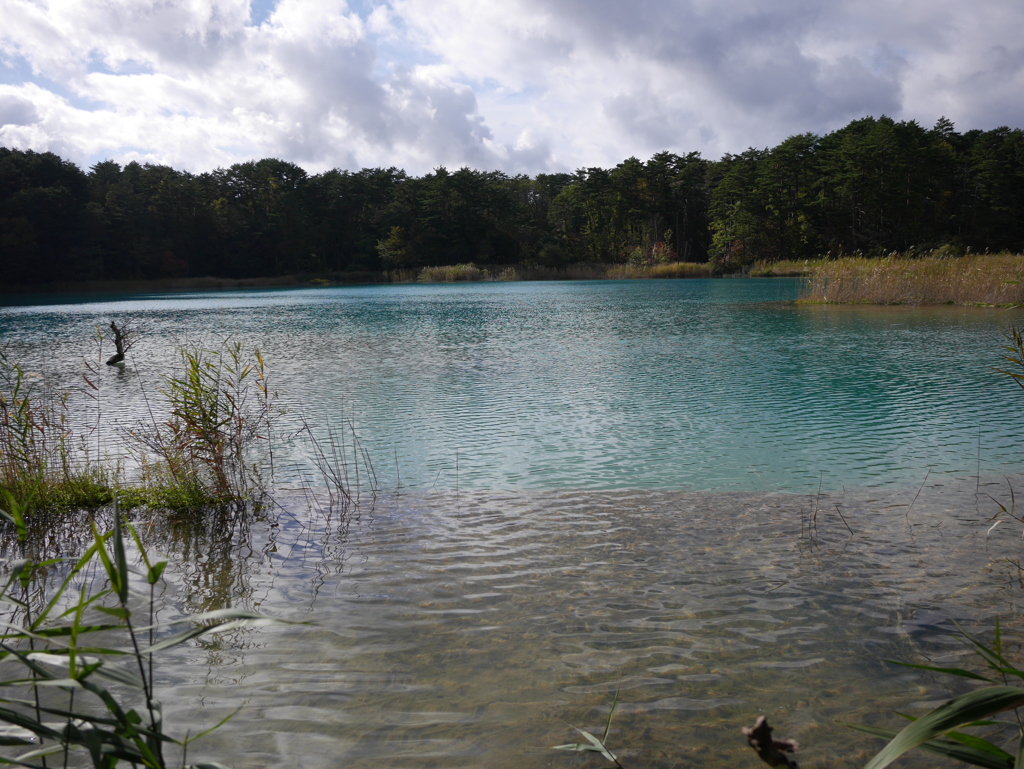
[595, 744]
[217, 439]
[213, 448]
[337, 458]
[88, 701]
[938, 731]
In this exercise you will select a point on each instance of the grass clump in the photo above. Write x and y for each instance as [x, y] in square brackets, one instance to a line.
[940, 732]
[217, 440]
[452, 273]
[988, 279]
[648, 271]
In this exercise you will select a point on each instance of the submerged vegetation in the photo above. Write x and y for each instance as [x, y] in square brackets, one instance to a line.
[983, 279]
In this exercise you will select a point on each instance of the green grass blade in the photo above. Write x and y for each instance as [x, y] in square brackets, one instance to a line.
[598, 745]
[252, 620]
[957, 712]
[578, 747]
[611, 712]
[979, 743]
[217, 725]
[79, 565]
[16, 762]
[49, 750]
[120, 558]
[16, 735]
[953, 750]
[951, 671]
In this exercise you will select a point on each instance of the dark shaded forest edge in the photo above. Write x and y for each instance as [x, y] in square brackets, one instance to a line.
[872, 188]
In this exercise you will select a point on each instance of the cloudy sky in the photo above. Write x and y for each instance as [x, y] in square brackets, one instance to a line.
[518, 85]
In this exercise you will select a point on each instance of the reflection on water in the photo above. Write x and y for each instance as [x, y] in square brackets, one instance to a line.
[466, 630]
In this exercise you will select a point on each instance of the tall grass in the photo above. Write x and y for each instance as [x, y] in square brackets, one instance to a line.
[670, 270]
[595, 271]
[217, 440]
[452, 273]
[785, 268]
[455, 273]
[989, 279]
[40, 457]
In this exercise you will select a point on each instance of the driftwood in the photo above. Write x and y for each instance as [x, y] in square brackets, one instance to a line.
[123, 341]
[771, 751]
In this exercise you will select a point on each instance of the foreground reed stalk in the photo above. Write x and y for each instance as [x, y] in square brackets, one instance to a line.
[76, 713]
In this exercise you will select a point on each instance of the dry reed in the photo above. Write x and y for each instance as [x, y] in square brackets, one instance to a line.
[785, 268]
[989, 279]
[452, 273]
[671, 270]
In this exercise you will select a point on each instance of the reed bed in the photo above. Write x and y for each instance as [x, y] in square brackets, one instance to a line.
[671, 270]
[452, 273]
[455, 273]
[988, 279]
[786, 268]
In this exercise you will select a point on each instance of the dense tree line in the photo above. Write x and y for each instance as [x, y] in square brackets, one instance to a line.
[874, 186]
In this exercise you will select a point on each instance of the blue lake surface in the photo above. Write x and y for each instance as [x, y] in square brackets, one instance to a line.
[585, 488]
[690, 384]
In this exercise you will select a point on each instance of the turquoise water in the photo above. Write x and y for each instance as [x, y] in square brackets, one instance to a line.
[695, 384]
[604, 487]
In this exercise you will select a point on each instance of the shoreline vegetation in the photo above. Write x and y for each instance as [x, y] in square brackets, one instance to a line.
[989, 280]
[453, 273]
[936, 278]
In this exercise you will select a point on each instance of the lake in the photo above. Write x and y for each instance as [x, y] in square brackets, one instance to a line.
[693, 492]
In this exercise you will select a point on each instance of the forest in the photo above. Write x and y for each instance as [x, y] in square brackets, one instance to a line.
[870, 188]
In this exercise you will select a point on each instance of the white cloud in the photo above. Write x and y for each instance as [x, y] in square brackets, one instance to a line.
[524, 85]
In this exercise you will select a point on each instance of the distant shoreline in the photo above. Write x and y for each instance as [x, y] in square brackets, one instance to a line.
[444, 274]
[982, 279]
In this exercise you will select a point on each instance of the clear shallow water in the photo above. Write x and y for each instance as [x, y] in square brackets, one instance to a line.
[700, 384]
[469, 631]
[622, 517]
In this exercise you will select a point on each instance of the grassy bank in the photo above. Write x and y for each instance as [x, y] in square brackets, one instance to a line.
[988, 279]
[453, 273]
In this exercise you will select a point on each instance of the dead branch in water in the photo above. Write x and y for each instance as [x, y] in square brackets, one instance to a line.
[771, 751]
[124, 339]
